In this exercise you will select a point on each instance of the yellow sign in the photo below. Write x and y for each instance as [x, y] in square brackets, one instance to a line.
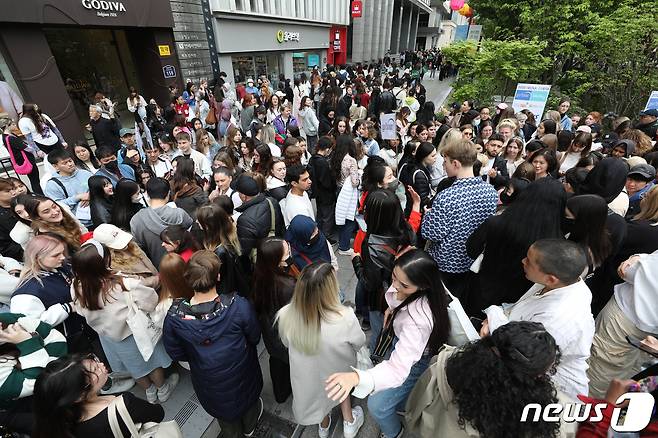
[280, 36]
[164, 50]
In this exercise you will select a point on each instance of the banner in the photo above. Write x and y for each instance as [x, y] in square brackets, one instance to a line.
[531, 97]
[475, 32]
[388, 126]
[462, 32]
[652, 103]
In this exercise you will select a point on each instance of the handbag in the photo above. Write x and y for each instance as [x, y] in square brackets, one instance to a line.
[211, 118]
[165, 429]
[23, 169]
[145, 332]
[384, 343]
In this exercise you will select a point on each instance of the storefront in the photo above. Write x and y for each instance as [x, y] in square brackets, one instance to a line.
[59, 53]
[253, 47]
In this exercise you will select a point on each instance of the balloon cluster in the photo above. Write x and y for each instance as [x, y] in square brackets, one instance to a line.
[462, 7]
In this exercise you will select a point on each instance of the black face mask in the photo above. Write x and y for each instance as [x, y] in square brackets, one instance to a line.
[288, 262]
[393, 185]
[505, 198]
[567, 224]
[313, 240]
[112, 166]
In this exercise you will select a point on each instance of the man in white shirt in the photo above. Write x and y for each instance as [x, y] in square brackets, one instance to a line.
[201, 162]
[297, 200]
[561, 301]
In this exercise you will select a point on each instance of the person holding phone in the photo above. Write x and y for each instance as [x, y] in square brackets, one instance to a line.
[633, 312]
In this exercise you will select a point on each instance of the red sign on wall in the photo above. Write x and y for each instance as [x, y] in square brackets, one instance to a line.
[357, 8]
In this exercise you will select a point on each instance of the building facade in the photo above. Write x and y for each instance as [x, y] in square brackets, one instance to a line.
[430, 26]
[274, 37]
[59, 53]
[386, 26]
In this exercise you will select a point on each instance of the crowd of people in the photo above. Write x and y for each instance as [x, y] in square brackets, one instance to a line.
[501, 258]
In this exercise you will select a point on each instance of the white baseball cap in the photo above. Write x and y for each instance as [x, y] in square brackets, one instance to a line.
[112, 236]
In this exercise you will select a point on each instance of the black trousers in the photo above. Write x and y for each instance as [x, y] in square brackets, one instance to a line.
[280, 374]
[19, 418]
[325, 219]
[459, 285]
[34, 175]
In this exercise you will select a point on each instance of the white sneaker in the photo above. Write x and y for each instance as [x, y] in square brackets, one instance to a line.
[349, 252]
[152, 394]
[165, 391]
[351, 429]
[260, 414]
[324, 431]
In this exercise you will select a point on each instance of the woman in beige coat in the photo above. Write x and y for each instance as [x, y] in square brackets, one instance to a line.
[482, 388]
[322, 337]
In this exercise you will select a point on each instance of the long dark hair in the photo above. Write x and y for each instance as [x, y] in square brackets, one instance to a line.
[23, 200]
[33, 112]
[373, 173]
[124, 208]
[536, 214]
[97, 188]
[384, 216]
[426, 114]
[92, 157]
[60, 392]
[344, 146]
[591, 213]
[495, 377]
[265, 155]
[183, 175]
[269, 279]
[423, 272]
[93, 278]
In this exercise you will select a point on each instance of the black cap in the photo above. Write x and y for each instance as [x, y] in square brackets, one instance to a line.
[650, 112]
[247, 186]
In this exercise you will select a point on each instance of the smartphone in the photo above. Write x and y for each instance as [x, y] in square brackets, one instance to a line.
[638, 344]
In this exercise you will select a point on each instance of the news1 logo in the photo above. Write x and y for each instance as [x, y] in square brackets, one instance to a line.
[637, 416]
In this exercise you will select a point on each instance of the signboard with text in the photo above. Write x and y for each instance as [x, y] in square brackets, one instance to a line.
[461, 33]
[357, 8]
[169, 71]
[532, 97]
[474, 32]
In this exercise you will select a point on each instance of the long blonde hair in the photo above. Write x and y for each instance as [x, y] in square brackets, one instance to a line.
[37, 248]
[315, 300]
[218, 229]
[126, 259]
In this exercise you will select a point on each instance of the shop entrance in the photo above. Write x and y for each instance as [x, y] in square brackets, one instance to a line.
[92, 60]
[253, 66]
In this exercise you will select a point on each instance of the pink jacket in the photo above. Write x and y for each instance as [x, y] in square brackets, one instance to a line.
[413, 326]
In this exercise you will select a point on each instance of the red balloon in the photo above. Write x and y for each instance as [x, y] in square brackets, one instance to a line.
[456, 5]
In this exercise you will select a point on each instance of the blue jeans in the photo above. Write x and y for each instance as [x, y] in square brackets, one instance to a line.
[384, 404]
[376, 326]
[345, 235]
[360, 300]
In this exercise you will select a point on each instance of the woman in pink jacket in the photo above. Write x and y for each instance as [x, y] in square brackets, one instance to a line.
[417, 320]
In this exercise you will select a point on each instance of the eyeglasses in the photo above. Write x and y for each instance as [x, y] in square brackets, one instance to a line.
[470, 134]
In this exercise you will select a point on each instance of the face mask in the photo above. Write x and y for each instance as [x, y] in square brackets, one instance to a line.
[112, 166]
[476, 122]
[400, 192]
[393, 185]
[313, 240]
[288, 262]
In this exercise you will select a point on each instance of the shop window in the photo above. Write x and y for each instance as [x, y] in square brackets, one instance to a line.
[239, 5]
[243, 68]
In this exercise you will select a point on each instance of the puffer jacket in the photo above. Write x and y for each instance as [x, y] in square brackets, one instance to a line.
[255, 221]
[218, 339]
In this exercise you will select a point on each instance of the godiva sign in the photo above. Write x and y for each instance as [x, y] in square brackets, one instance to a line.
[104, 8]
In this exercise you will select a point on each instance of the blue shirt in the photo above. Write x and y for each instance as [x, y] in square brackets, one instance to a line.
[456, 212]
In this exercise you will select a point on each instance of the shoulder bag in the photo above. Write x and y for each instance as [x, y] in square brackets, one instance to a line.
[165, 429]
[23, 169]
[145, 331]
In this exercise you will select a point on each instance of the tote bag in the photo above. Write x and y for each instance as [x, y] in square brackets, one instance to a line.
[23, 169]
[166, 429]
[145, 331]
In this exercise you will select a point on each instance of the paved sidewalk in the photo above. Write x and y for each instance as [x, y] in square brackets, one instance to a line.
[437, 90]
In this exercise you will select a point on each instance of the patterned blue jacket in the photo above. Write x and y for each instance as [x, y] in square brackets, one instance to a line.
[456, 212]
